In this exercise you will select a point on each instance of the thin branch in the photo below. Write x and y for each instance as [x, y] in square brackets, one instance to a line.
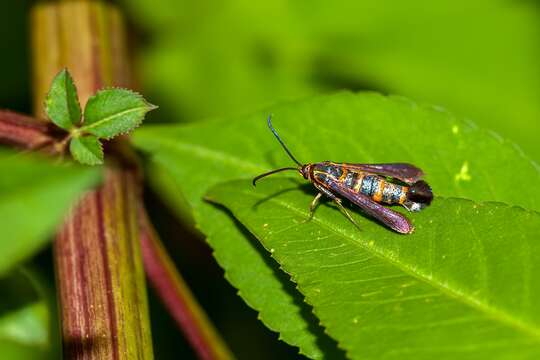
[177, 297]
[25, 132]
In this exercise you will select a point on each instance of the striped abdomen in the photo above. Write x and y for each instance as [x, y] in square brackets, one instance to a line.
[376, 187]
[414, 197]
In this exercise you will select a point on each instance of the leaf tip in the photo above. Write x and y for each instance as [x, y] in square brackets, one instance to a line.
[61, 102]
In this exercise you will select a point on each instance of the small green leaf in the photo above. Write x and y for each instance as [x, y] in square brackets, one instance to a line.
[34, 197]
[112, 112]
[28, 330]
[62, 103]
[23, 309]
[86, 150]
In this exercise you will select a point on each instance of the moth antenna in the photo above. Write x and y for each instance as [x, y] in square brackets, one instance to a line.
[280, 141]
[271, 172]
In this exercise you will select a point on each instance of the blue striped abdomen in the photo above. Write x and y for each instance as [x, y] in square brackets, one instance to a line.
[381, 190]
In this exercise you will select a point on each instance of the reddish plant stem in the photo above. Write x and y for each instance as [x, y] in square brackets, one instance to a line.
[24, 132]
[100, 276]
[98, 273]
[176, 296]
[97, 252]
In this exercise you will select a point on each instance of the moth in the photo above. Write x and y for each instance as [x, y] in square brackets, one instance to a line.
[366, 186]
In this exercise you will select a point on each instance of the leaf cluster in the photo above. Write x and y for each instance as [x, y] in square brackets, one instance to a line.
[107, 114]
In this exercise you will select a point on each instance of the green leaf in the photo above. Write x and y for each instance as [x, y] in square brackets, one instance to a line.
[112, 112]
[259, 281]
[23, 314]
[34, 196]
[62, 103]
[86, 150]
[466, 282]
[459, 159]
[25, 322]
[25, 325]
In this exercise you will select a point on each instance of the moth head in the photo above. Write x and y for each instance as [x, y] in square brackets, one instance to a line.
[420, 192]
[305, 171]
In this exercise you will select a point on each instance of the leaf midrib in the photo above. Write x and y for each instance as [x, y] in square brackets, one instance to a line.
[490, 311]
[207, 153]
[470, 301]
[111, 117]
[69, 110]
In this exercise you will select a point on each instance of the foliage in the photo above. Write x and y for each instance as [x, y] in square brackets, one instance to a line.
[453, 286]
[108, 113]
[478, 58]
[86, 150]
[455, 154]
[27, 327]
[464, 285]
[33, 199]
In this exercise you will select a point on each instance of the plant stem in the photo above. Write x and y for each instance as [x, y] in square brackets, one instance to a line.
[103, 305]
[100, 277]
[24, 132]
[177, 297]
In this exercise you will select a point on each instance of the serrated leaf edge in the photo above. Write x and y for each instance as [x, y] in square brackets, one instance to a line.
[411, 103]
[490, 311]
[149, 107]
[452, 117]
[261, 313]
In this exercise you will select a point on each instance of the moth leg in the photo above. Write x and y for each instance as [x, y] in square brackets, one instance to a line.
[326, 192]
[317, 199]
[345, 212]
[313, 205]
[337, 200]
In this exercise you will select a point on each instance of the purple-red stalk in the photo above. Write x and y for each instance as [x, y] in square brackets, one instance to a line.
[100, 275]
[176, 296]
[25, 132]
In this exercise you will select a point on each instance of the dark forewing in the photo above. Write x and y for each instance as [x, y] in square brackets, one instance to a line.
[402, 171]
[389, 217]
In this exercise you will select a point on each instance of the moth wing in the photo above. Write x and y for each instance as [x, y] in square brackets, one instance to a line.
[407, 173]
[389, 217]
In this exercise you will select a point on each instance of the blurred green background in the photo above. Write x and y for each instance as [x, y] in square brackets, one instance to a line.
[209, 58]
[478, 58]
